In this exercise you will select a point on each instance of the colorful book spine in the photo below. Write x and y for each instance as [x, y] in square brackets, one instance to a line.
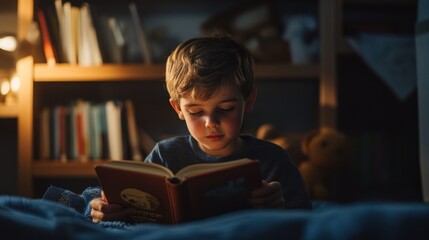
[47, 42]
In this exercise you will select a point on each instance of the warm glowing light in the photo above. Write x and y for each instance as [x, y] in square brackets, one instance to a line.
[15, 83]
[8, 43]
[4, 87]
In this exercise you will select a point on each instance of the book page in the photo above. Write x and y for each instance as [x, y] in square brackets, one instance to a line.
[146, 167]
[195, 169]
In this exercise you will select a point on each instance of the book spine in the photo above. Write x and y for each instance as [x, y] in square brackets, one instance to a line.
[60, 16]
[141, 35]
[62, 133]
[55, 150]
[134, 141]
[126, 150]
[114, 131]
[177, 194]
[47, 42]
[45, 135]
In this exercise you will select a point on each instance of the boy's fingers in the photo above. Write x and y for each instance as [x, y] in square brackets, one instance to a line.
[110, 208]
[267, 189]
[99, 204]
[270, 195]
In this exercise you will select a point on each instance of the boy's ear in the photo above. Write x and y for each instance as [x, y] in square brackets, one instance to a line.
[176, 108]
[250, 100]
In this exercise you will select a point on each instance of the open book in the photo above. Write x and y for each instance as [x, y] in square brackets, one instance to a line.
[195, 192]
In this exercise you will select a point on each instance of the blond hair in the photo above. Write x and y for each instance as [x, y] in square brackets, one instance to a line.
[200, 66]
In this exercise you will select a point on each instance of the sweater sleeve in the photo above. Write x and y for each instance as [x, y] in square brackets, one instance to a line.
[89, 194]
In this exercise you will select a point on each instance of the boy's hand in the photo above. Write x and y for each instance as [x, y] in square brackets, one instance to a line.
[103, 211]
[270, 195]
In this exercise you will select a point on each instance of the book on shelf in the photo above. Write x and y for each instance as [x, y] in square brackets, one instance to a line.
[114, 130]
[84, 130]
[54, 28]
[141, 34]
[61, 113]
[195, 192]
[95, 131]
[60, 18]
[109, 30]
[133, 134]
[69, 33]
[48, 49]
[82, 127]
[55, 133]
[118, 44]
[88, 50]
[44, 139]
[125, 31]
[73, 138]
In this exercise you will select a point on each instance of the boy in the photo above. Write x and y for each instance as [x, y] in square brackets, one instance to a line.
[211, 85]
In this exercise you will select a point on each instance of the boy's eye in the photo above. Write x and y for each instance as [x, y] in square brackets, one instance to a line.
[227, 109]
[196, 113]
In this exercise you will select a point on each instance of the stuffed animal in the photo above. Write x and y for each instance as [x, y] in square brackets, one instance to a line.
[327, 151]
[270, 133]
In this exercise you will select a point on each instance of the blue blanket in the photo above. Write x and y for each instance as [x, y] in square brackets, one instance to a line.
[25, 218]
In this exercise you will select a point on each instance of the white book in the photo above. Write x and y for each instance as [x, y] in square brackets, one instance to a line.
[96, 52]
[114, 131]
[69, 35]
[84, 57]
[89, 51]
[84, 48]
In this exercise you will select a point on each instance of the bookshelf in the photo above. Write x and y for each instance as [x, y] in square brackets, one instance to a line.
[35, 74]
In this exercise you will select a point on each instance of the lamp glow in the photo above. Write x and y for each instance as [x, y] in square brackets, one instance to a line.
[8, 43]
[15, 83]
[4, 87]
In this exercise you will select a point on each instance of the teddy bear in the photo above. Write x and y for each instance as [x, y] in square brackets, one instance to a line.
[270, 133]
[326, 152]
[320, 156]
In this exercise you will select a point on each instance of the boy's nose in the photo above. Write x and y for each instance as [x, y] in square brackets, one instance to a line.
[212, 122]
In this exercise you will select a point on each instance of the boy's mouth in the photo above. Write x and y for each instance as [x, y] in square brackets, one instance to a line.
[216, 137]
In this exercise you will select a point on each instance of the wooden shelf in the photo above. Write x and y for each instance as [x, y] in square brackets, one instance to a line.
[8, 110]
[106, 72]
[118, 72]
[52, 169]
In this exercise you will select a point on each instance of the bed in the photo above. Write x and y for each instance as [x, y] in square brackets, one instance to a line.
[54, 217]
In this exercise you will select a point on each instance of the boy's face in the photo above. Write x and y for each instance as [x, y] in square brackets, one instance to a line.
[216, 122]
